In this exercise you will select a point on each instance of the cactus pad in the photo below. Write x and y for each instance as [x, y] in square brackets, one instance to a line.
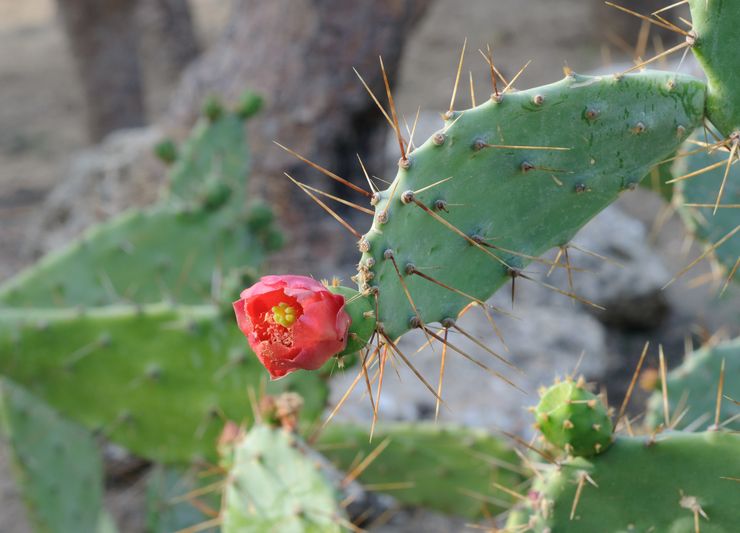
[716, 39]
[57, 463]
[273, 487]
[693, 386]
[448, 468]
[158, 380]
[574, 419]
[504, 182]
[704, 188]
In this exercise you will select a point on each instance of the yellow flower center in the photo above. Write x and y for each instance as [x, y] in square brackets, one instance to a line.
[283, 314]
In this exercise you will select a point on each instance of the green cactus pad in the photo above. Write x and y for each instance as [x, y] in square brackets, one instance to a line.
[641, 487]
[158, 380]
[57, 463]
[601, 135]
[449, 468]
[573, 419]
[273, 488]
[693, 386]
[717, 40]
[141, 256]
[703, 189]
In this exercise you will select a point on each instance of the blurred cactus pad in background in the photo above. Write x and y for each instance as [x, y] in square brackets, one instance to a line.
[122, 363]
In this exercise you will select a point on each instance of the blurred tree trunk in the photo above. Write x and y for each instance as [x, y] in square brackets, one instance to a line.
[299, 55]
[173, 32]
[103, 36]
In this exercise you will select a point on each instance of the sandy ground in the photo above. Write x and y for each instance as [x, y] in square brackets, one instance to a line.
[42, 112]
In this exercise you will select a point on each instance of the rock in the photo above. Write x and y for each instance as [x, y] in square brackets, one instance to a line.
[629, 284]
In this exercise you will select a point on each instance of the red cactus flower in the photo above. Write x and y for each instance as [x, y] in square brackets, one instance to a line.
[292, 322]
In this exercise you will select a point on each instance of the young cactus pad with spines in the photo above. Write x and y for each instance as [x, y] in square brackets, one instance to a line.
[158, 380]
[273, 487]
[678, 483]
[504, 182]
[57, 464]
[573, 419]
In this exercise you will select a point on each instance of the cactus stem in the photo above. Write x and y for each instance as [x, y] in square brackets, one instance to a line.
[326, 208]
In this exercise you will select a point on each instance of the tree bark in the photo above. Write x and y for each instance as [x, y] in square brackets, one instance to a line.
[170, 23]
[299, 55]
[103, 36]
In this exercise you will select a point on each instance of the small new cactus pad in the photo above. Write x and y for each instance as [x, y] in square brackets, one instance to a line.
[272, 487]
[678, 483]
[703, 189]
[716, 41]
[158, 380]
[574, 419]
[57, 464]
[693, 387]
[444, 466]
[503, 182]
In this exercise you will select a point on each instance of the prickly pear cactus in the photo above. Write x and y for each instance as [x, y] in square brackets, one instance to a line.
[273, 488]
[446, 468]
[678, 482]
[57, 464]
[502, 183]
[693, 386]
[159, 380]
[574, 419]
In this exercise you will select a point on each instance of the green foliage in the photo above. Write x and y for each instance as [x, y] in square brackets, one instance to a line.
[693, 386]
[273, 488]
[57, 464]
[714, 24]
[158, 380]
[574, 419]
[641, 485]
[449, 468]
[513, 204]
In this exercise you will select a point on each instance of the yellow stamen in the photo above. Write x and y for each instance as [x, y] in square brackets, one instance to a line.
[283, 314]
